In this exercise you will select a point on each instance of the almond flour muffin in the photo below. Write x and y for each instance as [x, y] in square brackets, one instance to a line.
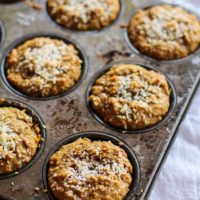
[84, 14]
[43, 67]
[130, 97]
[165, 32]
[90, 170]
[19, 139]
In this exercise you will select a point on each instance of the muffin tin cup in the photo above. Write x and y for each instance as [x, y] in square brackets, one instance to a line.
[2, 33]
[173, 100]
[139, 53]
[18, 42]
[87, 32]
[37, 119]
[99, 136]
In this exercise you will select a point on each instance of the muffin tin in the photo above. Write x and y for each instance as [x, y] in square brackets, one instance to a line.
[95, 136]
[66, 115]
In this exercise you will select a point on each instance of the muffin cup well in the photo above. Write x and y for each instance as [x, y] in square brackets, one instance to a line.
[2, 33]
[139, 53]
[122, 10]
[37, 119]
[94, 135]
[173, 100]
[18, 42]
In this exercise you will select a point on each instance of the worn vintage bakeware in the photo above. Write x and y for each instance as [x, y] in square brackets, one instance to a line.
[69, 114]
[97, 136]
[36, 119]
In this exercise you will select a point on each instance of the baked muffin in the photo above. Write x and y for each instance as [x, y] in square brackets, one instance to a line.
[84, 14]
[19, 139]
[43, 67]
[85, 169]
[130, 97]
[165, 32]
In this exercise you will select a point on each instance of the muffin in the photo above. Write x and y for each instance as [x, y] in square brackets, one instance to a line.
[165, 32]
[85, 169]
[43, 67]
[83, 14]
[19, 139]
[130, 97]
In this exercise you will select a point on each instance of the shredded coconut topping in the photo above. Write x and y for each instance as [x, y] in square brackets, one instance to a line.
[45, 59]
[126, 93]
[84, 8]
[87, 167]
[7, 138]
[164, 26]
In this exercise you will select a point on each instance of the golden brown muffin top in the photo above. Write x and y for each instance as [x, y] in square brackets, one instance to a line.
[130, 97]
[43, 66]
[19, 139]
[84, 14]
[86, 169]
[165, 32]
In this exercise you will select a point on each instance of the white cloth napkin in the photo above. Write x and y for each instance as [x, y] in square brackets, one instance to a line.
[180, 176]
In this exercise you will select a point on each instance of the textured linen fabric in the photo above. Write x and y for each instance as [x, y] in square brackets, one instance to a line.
[180, 176]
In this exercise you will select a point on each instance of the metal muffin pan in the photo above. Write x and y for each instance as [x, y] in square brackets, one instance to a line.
[23, 39]
[95, 136]
[173, 100]
[69, 114]
[148, 5]
[36, 119]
